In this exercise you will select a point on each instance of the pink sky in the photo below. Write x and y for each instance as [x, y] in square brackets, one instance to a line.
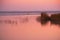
[30, 5]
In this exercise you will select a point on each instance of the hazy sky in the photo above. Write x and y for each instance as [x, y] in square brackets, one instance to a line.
[30, 5]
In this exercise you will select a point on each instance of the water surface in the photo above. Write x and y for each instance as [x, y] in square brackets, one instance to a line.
[26, 27]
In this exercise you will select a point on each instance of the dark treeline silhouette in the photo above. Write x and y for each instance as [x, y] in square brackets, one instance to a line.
[44, 18]
[55, 19]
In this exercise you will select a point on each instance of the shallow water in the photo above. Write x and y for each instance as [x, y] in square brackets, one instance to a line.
[26, 27]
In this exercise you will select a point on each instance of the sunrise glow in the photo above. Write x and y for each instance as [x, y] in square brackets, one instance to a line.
[31, 5]
[29, 19]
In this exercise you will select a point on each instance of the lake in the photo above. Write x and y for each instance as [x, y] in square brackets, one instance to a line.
[26, 27]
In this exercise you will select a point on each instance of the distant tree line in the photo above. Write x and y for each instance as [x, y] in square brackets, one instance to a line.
[44, 18]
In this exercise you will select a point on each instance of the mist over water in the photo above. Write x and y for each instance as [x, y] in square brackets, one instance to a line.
[27, 27]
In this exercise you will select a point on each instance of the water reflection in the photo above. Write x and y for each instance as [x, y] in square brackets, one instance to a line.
[24, 20]
[21, 20]
[44, 18]
[8, 21]
[1, 21]
[55, 19]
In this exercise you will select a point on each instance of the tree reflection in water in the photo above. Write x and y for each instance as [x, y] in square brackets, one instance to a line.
[1, 21]
[44, 18]
[24, 20]
[55, 19]
[9, 21]
[5, 21]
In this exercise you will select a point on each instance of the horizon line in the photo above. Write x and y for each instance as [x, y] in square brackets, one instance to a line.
[29, 11]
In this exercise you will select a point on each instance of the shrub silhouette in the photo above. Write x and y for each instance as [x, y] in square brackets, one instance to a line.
[44, 18]
[55, 19]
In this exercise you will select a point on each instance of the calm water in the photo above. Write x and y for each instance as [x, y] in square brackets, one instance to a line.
[25, 27]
